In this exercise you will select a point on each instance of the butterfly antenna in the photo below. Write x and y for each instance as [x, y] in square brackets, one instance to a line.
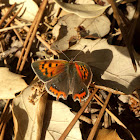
[63, 53]
[79, 52]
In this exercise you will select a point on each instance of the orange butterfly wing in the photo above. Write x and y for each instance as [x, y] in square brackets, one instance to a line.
[47, 69]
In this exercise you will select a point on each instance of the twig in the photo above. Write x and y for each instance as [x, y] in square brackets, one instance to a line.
[6, 15]
[2, 132]
[114, 91]
[13, 17]
[67, 130]
[40, 39]
[97, 98]
[46, 44]
[93, 130]
[14, 27]
[16, 32]
[19, 23]
[83, 118]
[108, 89]
[42, 7]
[26, 40]
[5, 116]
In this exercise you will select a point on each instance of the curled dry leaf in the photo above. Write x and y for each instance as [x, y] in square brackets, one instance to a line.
[10, 83]
[67, 26]
[84, 2]
[57, 117]
[28, 10]
[83, 10]
[107, 134]
[111, 65]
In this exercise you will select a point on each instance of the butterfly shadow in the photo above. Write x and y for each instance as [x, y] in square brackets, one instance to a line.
[98, 60]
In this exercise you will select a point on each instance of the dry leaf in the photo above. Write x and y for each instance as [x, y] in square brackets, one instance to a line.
[29, 9]
[107, 134]
[66, 29]
[111, 65]
[57, 117]
[10, 83]
[83, 10]
[84, 2]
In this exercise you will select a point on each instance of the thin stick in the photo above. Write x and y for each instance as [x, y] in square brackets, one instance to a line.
[2, 132]
[46, 44]
[17, 33]
[40, 39]
[114, 91]
[97, 98]
[108, 89]
[14, 27]
[93, 130]
[19, 23]
[67, 130]
[26, 40]
[6, 15]
[42, 7]
[13, 17]
[83, 118]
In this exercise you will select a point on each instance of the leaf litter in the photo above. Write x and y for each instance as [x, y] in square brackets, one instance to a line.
[70, 27]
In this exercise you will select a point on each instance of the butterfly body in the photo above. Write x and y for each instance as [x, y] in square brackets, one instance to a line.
[62, 78]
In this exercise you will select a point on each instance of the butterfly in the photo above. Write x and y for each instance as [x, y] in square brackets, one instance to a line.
[63, 77]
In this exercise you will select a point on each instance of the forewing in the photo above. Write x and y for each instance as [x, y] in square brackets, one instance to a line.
[47, 69]
[81, 81]
[84, 72]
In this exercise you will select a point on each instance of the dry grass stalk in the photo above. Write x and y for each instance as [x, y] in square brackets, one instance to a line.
[7, 14]
[33, 30]
[95, 127]
[67, 130]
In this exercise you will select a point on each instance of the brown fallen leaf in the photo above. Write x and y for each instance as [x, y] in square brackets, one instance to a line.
[28, 11]
[83, 10]
[57, 118]
[66, 29]
[107, 134]
[10, 83]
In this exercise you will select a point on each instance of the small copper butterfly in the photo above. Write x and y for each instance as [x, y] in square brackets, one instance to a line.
[63, 77]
